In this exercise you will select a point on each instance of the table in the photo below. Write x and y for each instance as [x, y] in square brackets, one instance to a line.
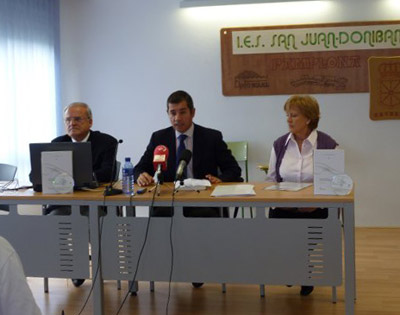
[257, 250]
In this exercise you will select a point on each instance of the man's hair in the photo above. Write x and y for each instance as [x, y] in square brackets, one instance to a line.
[179, 96]
[308, 107]
[80, 104]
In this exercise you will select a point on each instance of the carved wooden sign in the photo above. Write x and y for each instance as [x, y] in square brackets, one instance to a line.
[299, 59]
[384, 76]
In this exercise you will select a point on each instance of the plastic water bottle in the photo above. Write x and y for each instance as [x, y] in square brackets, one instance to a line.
[127, 177]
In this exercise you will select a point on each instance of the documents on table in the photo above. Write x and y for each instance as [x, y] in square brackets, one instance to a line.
[327, 164]
[288, 186]
[233, 190]
[193, 184]
[57, 172]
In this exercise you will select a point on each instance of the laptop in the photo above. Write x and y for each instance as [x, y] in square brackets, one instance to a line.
[81, 162]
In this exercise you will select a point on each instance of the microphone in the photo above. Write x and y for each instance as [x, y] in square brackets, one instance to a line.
[110, 190]
[160, 159]
[184, 160]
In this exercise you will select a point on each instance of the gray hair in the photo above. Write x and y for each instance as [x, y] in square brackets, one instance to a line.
[80, 104]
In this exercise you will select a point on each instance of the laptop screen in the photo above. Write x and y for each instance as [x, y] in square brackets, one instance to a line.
[81, 162]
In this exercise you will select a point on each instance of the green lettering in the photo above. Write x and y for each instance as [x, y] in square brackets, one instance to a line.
[282, 40]
[322, 39]
[397, 36]
[273, 40]
[343, 38]
[353, 37]
[332, 40]
[247, 41]
[292, 40]
[379, 36]
[368, 36]
[313, 42]
[258, 41]
[390, 36]
[305, 43]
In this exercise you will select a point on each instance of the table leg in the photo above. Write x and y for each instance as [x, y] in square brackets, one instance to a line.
[97, 278]
[349, 258]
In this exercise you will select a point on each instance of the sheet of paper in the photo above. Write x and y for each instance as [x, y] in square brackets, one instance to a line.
[193, 184]
[327, 164]
[233, 190]
[57, 172]
[288, 186]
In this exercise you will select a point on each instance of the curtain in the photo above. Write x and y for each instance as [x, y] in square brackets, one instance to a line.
[29, 59]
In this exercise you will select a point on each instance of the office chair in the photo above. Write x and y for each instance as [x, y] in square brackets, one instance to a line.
[7, 174]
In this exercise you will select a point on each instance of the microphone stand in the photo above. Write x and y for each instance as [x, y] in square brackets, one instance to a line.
[110, 190]
[160, 179]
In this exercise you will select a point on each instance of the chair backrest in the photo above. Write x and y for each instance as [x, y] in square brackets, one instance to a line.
[7, 172]
[117, 170]
[239, 151]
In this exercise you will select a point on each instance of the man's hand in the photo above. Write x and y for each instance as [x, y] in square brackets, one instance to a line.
[145, 179]
[213, 179]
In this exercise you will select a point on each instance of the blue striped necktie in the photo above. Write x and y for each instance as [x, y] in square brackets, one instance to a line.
[181, 148]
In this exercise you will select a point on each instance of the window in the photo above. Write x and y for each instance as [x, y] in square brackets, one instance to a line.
[29, 54]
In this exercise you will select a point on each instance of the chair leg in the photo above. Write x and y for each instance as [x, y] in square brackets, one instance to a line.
[133, 288]
[223, 287]
[118, 284]
[262, 290]
[334, 295]
[151, 286]
[46, 285]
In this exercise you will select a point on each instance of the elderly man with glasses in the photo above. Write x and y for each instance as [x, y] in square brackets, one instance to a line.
[78, 120]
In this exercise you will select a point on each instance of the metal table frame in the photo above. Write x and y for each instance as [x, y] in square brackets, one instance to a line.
[205, 249]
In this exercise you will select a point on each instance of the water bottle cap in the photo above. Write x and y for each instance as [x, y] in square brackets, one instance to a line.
[127, 159]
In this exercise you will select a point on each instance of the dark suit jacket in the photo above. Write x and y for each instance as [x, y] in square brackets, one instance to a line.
[103, 151]
[210, 155]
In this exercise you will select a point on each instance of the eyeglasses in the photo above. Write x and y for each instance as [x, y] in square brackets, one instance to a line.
[78, 120]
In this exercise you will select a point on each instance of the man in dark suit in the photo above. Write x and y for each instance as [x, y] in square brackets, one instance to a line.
[78, 120]
[211, 158]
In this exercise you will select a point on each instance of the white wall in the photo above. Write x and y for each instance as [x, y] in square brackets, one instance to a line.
[124, 57]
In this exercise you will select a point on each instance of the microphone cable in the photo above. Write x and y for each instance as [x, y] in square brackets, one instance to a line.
[141, 249]
[171, 243]
[98, 259]
[94, 277]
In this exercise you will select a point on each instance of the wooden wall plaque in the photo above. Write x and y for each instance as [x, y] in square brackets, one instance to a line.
[384, 74]
[302, 59]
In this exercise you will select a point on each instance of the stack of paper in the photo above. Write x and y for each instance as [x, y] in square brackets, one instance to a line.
[288, 186]
[193, 184]
[57, 172]
[233, 190]
[327, 164]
